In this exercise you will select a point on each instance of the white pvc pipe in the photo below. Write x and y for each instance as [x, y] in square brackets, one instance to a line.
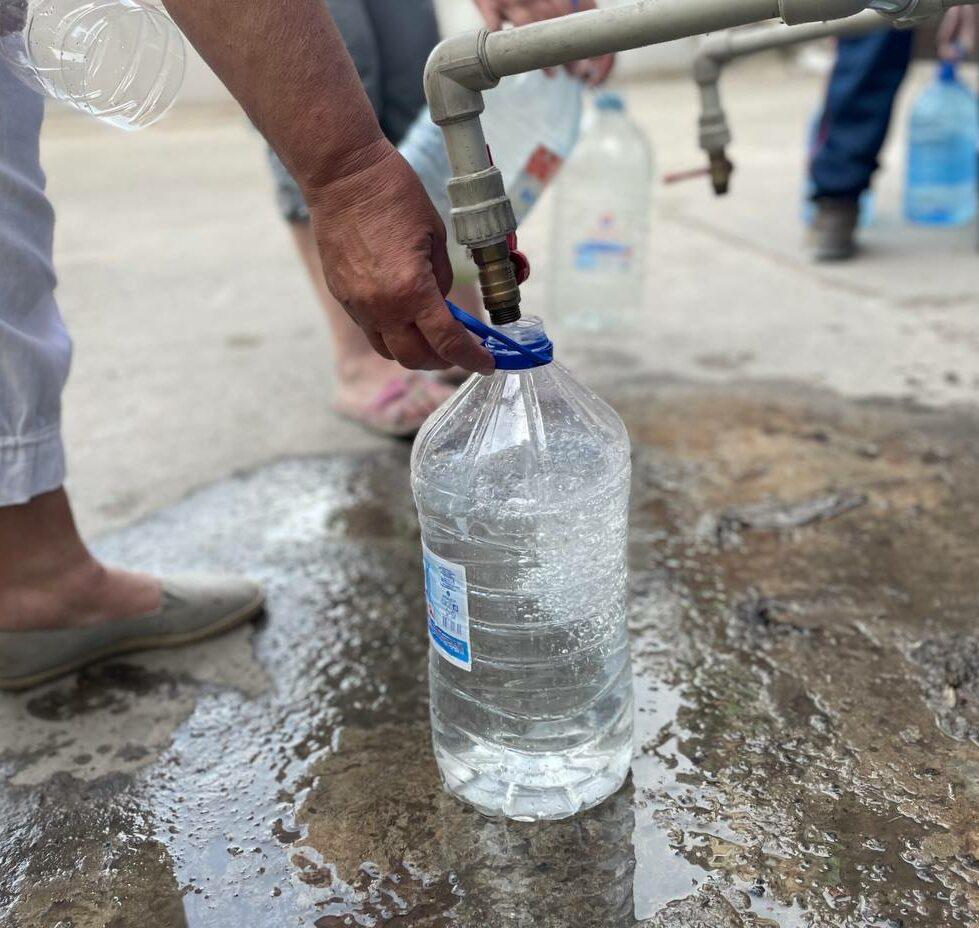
[466, 147]
[599, 32]
[748, 42]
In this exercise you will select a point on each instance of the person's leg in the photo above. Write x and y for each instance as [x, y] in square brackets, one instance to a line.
[857, 112]
[59, 607]
[49, 579]
[850, 133]
[47, 575]
[405, 33]
[372, 390]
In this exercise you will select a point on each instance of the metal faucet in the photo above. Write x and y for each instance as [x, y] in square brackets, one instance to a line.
[463, 66]
[723, 47]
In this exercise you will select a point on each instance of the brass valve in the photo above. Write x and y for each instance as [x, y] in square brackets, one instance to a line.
[720, 172]
[498, 281]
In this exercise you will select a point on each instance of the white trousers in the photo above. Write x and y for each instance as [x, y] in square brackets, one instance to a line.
[35, 350]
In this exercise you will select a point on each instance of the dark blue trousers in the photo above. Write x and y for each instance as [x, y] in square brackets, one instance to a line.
[854, 120]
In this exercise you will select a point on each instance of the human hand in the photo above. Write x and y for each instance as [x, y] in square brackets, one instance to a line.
[957, 33]
[593, 71]
[385, 260]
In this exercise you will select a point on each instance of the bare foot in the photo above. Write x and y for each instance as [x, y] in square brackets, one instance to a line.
[384, 397]
[53, 581]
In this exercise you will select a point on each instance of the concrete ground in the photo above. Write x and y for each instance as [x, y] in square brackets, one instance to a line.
[802, 553]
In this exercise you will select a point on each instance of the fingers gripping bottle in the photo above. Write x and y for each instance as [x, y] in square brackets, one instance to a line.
[522, 486]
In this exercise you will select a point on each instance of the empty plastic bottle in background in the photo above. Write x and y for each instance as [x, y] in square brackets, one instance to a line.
[121, 61]
[522, 487]
[600, 231]
[940, 188]
[531, 123]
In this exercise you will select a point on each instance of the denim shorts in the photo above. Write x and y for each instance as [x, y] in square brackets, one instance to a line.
[389, 41]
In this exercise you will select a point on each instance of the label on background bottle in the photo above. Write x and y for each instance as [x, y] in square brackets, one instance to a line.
[538, 172]
[447, 601]
[602, 250]
[600, 255]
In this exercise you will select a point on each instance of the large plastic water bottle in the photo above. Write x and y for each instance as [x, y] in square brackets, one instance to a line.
[121, 61]
[940, 187]
[531, 123]
[522, 487]
[600, 228]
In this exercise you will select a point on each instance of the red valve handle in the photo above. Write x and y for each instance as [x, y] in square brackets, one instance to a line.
[521, 265]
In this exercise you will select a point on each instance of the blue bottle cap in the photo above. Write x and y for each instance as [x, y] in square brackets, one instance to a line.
[508, 353]
[609, 102]
[946, 72]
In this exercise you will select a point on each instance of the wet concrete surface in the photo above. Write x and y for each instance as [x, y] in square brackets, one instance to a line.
[803, 613]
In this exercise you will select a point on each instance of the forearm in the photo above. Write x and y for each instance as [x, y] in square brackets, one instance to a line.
[287, 66]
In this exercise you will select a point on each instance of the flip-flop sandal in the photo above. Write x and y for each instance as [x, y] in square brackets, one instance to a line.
[192, 608]
[400, 408]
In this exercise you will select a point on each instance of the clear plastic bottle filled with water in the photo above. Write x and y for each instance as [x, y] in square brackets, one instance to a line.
[600, 225]
[940, 187]
[121, 61]
[522, 485]
[531, 123]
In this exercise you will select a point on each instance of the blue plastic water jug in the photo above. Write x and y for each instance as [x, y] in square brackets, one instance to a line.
[943, 135]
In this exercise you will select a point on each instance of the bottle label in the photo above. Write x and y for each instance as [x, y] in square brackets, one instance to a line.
[603, 251]
[595, 255]
[538, 172]
[447, 600]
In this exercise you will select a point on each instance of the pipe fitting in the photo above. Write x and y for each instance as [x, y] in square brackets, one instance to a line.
[707, 64]
[482, 216]
[714, 52]
[455, 76]
[498, 282]
[481, 210]
[907, 13]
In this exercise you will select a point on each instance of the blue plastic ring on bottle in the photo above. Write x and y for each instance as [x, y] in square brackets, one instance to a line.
[509, 354]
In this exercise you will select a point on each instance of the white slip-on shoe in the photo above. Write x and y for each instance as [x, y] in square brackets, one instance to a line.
[193, 607]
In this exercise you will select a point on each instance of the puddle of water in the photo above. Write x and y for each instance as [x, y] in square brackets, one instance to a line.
[790, 772]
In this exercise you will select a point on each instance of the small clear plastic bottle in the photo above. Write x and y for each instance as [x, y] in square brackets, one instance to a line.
[522, 486]
[600, 226]
[121, 61]
[940, 188]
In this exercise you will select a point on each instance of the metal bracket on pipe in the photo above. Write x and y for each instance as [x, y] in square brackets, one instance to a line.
[908, 13]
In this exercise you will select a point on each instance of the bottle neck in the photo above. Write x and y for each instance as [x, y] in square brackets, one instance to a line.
[528, 332]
